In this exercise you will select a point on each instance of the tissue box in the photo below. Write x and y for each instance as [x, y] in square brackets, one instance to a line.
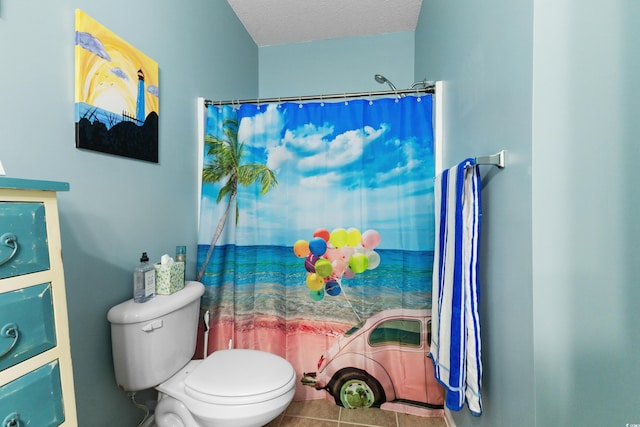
[169, 278]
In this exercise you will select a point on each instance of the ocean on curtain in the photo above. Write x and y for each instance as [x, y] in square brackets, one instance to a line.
[316, 243]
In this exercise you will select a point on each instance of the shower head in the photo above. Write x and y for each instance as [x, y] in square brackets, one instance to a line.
[382, 80]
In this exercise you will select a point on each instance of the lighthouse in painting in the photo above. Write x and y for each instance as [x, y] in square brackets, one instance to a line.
[140, 102]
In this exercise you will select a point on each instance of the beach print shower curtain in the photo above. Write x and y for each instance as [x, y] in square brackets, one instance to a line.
[316, 243]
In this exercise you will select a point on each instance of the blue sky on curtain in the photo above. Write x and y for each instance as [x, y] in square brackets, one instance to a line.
[347, 184]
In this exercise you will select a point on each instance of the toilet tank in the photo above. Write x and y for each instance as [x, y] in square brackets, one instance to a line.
[151, 341]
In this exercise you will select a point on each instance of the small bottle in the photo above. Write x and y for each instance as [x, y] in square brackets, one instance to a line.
[144, 280]
[181, 256]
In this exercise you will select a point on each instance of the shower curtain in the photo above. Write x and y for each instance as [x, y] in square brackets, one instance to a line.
[316, 238]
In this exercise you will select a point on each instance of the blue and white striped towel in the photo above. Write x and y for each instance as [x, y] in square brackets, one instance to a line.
[455, 326]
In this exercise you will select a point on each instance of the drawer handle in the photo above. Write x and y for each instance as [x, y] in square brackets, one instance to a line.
[12, 420]
[10, 330]
[10, 240]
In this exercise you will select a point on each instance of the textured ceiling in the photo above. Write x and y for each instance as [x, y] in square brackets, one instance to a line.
[274, 22]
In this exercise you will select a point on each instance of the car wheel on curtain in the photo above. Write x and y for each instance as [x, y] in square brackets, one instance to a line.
[353, 388]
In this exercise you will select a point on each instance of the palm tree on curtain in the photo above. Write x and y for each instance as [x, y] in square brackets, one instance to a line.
[227, 154]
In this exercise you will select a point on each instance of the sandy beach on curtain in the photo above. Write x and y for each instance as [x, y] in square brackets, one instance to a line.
[309, 329]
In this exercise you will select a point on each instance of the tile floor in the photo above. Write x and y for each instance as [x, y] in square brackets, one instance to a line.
[323, 413]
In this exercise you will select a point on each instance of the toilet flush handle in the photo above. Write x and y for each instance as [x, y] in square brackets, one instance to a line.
[153, 325]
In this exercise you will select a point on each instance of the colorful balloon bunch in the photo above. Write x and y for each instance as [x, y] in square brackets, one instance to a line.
[330, 256]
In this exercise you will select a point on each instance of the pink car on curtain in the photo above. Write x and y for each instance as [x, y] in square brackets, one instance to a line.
[383, 359]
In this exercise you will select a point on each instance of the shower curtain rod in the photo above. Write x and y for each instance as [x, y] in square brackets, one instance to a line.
[417, 91]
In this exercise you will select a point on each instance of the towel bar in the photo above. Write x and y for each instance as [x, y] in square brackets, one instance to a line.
[498, 159]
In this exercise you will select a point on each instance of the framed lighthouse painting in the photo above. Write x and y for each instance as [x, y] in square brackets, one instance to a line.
[116, 94]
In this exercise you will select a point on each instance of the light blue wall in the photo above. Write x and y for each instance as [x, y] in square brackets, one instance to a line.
[337, 66]
[483, 53]
[117, 207]
[555, 84]
[586, 212]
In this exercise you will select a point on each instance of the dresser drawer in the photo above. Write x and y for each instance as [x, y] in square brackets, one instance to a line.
[23, 239]
[35, 399]
[27, 326]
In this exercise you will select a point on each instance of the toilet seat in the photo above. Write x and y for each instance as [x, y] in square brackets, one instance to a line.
[254, 406]
[240, 376]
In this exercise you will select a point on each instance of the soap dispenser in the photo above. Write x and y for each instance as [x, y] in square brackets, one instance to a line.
[144, 280]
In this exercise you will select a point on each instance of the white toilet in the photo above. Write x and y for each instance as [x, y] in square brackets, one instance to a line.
[153, 344]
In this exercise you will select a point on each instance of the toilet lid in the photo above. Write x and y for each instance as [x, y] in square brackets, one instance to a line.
[240, 376]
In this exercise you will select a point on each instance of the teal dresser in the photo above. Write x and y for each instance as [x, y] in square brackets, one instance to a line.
[36, 378]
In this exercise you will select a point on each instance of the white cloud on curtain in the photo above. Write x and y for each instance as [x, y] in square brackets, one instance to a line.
[363, 165]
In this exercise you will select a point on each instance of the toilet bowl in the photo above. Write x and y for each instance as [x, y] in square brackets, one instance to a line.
[242, 388]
